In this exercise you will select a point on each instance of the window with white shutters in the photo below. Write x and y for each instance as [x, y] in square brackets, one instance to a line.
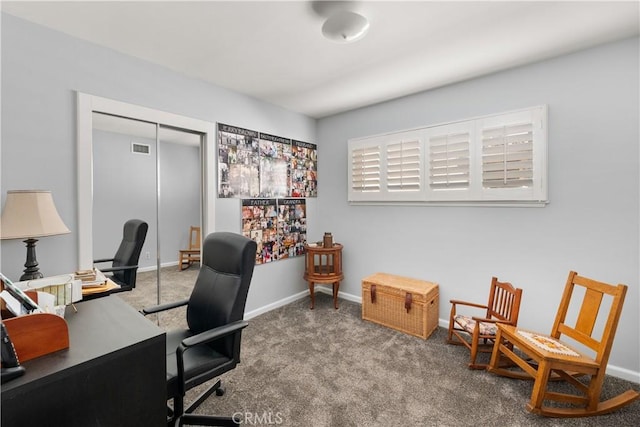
[499, 158]
[449, 161]
[507, 156]
[365, 169]
[404, 169]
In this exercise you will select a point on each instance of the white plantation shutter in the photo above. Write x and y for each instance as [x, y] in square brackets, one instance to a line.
[494, 159]
[507, 156]
[404, 169]
[365, 169]
[449, 161]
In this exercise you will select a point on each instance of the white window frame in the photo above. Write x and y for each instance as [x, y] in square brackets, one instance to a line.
[474, 193]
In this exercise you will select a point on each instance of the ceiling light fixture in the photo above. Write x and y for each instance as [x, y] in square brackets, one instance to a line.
[345, 27]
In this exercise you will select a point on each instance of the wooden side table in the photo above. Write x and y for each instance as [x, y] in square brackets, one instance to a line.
[323, 266]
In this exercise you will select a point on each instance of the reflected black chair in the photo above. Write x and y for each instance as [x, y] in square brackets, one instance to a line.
[124, 265]
[210, 345]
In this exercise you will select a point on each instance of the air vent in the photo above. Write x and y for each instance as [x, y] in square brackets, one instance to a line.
[139, 148]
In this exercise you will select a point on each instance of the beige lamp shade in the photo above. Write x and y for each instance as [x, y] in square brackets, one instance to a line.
[30, 214]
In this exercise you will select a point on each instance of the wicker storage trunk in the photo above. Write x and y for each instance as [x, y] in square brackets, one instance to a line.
[408, 305]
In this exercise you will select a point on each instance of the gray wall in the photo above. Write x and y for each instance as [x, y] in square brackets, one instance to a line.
[590, 225]
[41, 72]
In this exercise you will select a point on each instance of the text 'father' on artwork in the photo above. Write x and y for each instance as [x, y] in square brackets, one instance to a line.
[255, 164]
[278, 226]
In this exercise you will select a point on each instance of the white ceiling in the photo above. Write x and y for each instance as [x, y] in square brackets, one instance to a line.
[275, 51]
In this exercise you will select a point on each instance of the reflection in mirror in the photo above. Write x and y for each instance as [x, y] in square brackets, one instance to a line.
[204, 138]
[157, 179]
[124, 184]
[180, 207]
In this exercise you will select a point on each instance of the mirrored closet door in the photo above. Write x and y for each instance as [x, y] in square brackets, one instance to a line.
[151, 172]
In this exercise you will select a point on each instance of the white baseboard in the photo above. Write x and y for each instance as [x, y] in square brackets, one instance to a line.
[154, 268]
[264, 309]
[623, 373]
[343, 295]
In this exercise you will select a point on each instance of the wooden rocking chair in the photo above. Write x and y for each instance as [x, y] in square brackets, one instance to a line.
[478, 333]
[192, 253]
[544, 357]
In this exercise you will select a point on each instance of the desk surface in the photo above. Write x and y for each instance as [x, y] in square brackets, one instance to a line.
[116, 358]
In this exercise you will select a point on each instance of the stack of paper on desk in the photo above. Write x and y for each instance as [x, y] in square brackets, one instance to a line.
[91, 278]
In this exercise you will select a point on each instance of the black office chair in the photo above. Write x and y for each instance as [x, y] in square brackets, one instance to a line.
[210, 345]
[124, 267]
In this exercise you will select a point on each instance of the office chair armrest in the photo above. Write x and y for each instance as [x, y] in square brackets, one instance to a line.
[213, 334]
[120, 268]
[164, 307]
[470, 304]
[103, 260]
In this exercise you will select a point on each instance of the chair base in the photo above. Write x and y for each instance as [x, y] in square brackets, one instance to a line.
[188, 257]
[205, 420]
[480, 348]
[504, 370]
[217, 388]
[188, 418]
[580, 403]
[604, 407]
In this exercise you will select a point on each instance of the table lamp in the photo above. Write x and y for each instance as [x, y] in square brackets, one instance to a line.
[28, 214]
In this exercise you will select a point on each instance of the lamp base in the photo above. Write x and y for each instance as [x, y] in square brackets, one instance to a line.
[31, 271]
[31, 276]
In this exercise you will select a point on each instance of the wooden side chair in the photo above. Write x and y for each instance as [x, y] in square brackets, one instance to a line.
[478, 333]
[545, 357]
[190, 255]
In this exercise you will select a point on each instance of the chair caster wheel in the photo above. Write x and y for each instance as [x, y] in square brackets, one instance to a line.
[219, 391]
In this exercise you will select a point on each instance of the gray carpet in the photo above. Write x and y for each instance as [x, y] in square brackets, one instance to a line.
[327, 367]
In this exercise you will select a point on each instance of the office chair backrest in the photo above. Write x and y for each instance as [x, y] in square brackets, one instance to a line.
[220, 293]
[133, 235]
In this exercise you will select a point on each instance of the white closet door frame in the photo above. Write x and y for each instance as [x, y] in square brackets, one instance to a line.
[86, 106]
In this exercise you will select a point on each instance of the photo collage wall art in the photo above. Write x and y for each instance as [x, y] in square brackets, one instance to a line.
[278, 226]
[272, 175]
[253, 164]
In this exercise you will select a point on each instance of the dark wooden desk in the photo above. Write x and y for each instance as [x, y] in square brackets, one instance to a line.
[112, 374]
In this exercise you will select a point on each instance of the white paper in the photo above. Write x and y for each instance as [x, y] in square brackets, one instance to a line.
[13, 304]
[47, 302]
